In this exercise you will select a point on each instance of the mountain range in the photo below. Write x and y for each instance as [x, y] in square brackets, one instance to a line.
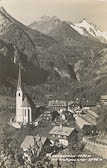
[50, 49]
[67, 33]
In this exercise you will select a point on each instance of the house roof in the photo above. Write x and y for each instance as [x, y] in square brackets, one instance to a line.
[88, 104]
[70, 103]
[89, 127]
[57, 130]
[57, 103]
[29, 141]
[27, 101]
[81, 122]
[104, 97]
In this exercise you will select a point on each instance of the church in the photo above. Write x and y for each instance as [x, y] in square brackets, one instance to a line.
[25, 108]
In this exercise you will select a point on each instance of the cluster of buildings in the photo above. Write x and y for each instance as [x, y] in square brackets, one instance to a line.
[59, 134]
[26, 114]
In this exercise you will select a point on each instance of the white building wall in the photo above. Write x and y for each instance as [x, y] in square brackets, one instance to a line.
[27, 114]
[19, 100]
[63, 142]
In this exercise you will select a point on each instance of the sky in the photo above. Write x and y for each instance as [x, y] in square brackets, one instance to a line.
[27, 11]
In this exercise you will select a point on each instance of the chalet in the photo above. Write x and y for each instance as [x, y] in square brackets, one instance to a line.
[56, 105]
[64, 135]
[42, 144]
[74, 105]
[104, 99]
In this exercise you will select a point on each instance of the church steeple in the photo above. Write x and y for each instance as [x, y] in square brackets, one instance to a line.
[19, 84]
[19, 98]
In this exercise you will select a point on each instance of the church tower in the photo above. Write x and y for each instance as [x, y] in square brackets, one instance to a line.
[19, 99]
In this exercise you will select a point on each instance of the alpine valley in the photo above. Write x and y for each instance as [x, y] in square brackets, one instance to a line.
[56, 57]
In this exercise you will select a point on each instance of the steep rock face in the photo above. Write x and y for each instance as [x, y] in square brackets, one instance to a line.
[45, 24]
[5, 20]
[84, 42]
[19, 38]
[24, 38]
[32, 48]
[10, 57]
[102, 61]
[15, 32]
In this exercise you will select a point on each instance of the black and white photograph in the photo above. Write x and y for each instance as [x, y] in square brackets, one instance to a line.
[53, 83]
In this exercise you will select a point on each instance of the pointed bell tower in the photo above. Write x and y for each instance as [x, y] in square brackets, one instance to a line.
[19, 99]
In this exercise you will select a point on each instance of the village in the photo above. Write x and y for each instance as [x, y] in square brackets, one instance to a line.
[53, 84]
[63, 133]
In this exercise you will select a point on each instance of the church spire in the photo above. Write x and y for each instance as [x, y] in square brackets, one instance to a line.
[19, 84]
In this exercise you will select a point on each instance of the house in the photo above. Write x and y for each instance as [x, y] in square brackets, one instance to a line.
[39, 143]
[47, 115]
[104, 99]
[74, 106]
[70, 103]
[25, 108]
[37, 121]
[57, 105]
[86, 105]
[67, 115]
[89, 130]
[64, 135]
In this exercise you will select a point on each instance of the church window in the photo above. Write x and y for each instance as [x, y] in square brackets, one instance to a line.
[19, 94]
[28, 115]
[25, 112]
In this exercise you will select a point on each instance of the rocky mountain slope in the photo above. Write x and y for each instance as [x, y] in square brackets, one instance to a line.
[24, 38]
[81, 39]
[64, 32]
[36, 48]
[10, 57]
[49, 50]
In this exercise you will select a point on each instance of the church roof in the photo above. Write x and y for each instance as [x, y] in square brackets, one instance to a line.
[28, 102]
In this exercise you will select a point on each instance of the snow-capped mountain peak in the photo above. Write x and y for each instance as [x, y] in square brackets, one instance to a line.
[88, 29]
[80, 30]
